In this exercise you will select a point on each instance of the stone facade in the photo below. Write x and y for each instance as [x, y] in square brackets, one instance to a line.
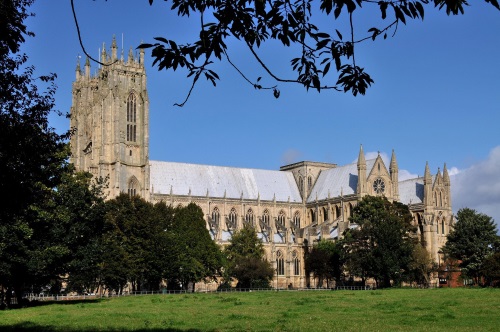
[290, 208]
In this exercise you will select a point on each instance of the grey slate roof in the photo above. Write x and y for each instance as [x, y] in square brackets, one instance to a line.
[335, 180]
[411, 191]
[182, 178]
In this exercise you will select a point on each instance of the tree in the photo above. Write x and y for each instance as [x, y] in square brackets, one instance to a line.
[471, 240]
[321, 47]
[135, 243]
[192, 255]
[32, 155]
[491, 269]
[246, 260]
[381, 247]
[78, 211]
[326, 261]
[421, 266]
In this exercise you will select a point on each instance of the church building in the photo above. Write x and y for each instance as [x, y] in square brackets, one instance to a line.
[290, 208]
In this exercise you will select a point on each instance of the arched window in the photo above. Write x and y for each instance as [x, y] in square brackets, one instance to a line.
[440, 198]
[133, 186]
[313, 216]
[282, 217]
[249, 217]
[131, 118]
[301, 185]
[296, 219]
[309, 183]
[296, 263]
[232, 215]
[338, 213]
[442, 226]
[265, 217]
[215, 215]
[325, 214]
[280, 263]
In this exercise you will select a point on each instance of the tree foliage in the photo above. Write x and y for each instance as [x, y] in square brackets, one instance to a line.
[32, 157]
[246, 260]
[326, 261]
[471, 241]
[381, 247]
[320, 48]
[193, 255]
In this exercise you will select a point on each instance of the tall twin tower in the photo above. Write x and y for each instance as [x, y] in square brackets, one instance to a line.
[110, 116]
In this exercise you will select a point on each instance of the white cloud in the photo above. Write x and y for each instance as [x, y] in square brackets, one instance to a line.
[478, 187]
[405, 175]
[291, 156]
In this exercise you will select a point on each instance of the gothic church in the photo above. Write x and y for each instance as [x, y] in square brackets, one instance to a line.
[299, 204]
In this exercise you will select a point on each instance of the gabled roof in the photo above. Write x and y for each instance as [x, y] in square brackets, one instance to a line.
[335, 180]
[182, 179]
[411, 191]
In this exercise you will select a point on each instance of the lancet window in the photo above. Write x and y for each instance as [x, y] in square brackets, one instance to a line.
[296, 263]
[232, 215]
[265, 217]
[249, 217]
[280, 263]
[131, 118]
[282, 217]
[215, 215]
[296, 219]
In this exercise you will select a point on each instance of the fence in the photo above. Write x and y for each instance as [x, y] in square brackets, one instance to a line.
[43, 297]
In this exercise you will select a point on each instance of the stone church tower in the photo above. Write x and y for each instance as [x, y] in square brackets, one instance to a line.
[110, 117]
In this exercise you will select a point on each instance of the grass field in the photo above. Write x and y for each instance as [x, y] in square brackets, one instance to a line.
[383, 310]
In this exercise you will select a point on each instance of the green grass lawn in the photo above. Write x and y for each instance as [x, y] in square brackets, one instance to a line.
[382, 310]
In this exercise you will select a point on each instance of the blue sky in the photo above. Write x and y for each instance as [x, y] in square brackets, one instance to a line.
[436, 95]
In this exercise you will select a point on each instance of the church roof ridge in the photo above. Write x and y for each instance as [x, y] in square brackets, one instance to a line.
[211, 165]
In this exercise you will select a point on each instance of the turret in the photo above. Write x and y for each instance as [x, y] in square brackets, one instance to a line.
[141, 56]
[78, 71]
[394, 170]
[87, 68]
[361, 189]
[103, 53]
[113, 49]
[427, 186]
[447, 185]
[130, 56]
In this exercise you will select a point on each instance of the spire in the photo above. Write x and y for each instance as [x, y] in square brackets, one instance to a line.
[439, 179]
[394, 170]
[103, 53]
[427, 186]
[130, 56]
[141, 55]
[427, 173]
[446, 176]
[113, 49]
[394, 164]
[361, 188]
[361, 157]
[78, 70]
[87, 68]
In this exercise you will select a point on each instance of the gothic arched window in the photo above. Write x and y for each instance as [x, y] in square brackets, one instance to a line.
[132, 187]
[309, 183]
[265, 217]
[215, 215]
[280, 263]
[131, 118]
[296, 263]
[282, 217]
[232, 215]
[301, 184]
[249, 217]
[296, 219]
